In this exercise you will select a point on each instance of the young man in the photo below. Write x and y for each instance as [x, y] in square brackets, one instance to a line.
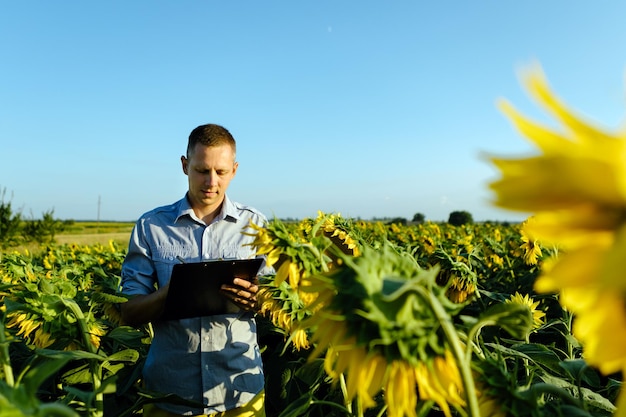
[212, 360]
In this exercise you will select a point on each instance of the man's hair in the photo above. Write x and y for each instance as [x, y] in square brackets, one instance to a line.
[210, 135]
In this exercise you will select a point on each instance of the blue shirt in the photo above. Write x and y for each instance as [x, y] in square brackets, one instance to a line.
[214, 360]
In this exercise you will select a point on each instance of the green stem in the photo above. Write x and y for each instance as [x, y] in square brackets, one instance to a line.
[463, 362]
[332, 404]
[382, 411]
[6, 359]
[359, 407]
[94, 365]
[344, 391]
[569, 320]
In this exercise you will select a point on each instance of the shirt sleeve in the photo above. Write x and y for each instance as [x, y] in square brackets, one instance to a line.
[138, 270]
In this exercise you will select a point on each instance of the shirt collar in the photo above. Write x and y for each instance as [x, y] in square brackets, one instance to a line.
[229, 210]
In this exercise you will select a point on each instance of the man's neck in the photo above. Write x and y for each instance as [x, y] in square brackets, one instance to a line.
[207, 214]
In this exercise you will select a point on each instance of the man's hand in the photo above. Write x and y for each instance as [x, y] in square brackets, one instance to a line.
[243, 293]
[142, 309]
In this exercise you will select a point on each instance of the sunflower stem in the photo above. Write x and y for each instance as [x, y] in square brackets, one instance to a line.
[463, 362]
[569, 317]
[344, 391]
[6, 359]
[96, 370]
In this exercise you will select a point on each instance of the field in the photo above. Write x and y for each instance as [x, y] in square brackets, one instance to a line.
[360, 319]
[89, 233]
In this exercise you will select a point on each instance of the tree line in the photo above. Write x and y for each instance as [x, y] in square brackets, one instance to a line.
[16, 230]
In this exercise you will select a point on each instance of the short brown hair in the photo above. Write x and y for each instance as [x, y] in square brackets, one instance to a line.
[210, 135]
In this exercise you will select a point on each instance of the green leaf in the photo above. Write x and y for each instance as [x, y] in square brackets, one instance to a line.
[70, 354]
[541, 355]
[589, 397]
[579, 369]
[127, 336]
[311, 372]
[126, 355]
[515, 319]
[103, 297]
[79, 375]
[41, 370]
[298, 407]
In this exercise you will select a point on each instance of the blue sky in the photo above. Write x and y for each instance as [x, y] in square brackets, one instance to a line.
[363, 108]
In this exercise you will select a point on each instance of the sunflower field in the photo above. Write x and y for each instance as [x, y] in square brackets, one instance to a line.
[373, 319]
[360, 319]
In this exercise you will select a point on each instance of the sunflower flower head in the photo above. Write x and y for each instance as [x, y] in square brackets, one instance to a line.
[43, 339]
[456, 276]
[96, 331]
[525, 300]
[530, 246]
[23, 322]
[575, 188]
[339, 231]
[283, 306]
[374, 317]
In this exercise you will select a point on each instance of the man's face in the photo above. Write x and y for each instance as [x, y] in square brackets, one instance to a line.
[209, 170]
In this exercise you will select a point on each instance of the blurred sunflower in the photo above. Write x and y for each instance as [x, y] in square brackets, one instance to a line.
[96, 331]
[42, 338]
[576, 189]
[22, 321]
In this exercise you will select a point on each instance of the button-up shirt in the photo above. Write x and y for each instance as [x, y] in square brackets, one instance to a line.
[213, 360]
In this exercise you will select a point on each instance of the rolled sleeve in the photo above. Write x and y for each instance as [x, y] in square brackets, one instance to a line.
[138, 270]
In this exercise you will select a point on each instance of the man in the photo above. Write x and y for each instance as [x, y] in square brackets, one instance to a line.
[212, 360]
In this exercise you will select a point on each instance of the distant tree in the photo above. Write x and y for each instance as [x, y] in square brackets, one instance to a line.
[44, 230]
[459, 218]
[398, 220]
[10, 223]
[419, 218]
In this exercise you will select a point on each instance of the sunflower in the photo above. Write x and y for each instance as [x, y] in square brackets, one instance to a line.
[42, 338]
[525, 300]
[96, 331]
[25, 324]
[373, 317]
[337, 229]
[576, 189]
[531, 248]
[280, 306]
[456, 276]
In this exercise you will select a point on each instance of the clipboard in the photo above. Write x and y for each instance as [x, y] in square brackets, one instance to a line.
[195, 287]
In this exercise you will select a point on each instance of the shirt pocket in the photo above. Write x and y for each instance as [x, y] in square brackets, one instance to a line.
[166, 256]
[236, 252]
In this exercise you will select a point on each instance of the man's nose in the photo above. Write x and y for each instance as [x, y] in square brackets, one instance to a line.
[211, 179]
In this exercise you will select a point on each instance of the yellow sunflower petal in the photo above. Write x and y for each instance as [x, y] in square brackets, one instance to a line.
[604, 321]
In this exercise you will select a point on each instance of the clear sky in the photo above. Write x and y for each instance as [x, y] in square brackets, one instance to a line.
[363, 108]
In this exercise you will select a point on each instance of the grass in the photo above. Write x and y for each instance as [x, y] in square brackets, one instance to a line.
[92, 232]
[85, 233]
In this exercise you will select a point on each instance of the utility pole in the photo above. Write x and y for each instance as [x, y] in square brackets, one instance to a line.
[98, 219]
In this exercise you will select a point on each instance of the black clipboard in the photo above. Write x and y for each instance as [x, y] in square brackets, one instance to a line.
[195, 286]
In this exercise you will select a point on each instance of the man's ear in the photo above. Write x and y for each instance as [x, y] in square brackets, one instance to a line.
[185, 163]
[235, 166]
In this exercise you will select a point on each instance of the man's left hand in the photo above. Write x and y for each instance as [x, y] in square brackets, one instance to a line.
[243, 293]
